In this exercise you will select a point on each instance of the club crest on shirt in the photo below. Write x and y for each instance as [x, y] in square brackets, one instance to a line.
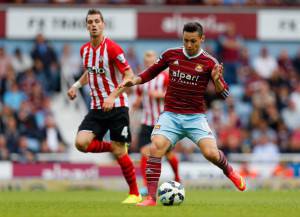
[157, 127]
[199, 68]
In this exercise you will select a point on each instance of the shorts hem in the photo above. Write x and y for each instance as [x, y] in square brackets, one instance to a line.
[168, 138]
[205, 137]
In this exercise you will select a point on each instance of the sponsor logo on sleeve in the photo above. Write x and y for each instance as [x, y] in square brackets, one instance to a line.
[121, 58]
[176, 63]
[157, 61]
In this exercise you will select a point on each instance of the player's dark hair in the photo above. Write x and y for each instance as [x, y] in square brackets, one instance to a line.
[94, 11]
[193, 27]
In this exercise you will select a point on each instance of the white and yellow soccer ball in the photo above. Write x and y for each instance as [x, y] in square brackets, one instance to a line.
[171, 193]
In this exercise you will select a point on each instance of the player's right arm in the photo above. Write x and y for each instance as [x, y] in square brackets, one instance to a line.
[83, 80]
[219, 82]
[148, 74]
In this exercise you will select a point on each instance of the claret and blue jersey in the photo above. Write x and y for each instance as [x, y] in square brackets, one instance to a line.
[189, 77]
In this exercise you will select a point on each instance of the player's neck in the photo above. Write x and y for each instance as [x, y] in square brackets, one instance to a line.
[194, 55]
[95, 42]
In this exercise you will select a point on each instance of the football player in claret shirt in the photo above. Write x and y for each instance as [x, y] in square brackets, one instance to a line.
[105, 66]
[190, 70]
[151, 95]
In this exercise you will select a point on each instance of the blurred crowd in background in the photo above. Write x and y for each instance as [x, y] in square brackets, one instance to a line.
[164, 2]
[27, 82]
[261, 116]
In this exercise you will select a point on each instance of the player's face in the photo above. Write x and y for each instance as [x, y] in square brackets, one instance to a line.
[95, 25]
[192, 42]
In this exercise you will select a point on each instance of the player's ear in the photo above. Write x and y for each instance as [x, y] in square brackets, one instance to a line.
[202, 38]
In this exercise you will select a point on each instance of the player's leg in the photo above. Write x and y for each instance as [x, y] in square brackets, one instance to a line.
[198, 131]
[120, 135]
[211, 152]
[174, 162]
[86, 140]
[158, 148]
[144, 141]
[119, 150]
[145, 152]
[165, 133]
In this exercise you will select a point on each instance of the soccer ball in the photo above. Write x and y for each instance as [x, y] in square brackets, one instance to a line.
[171, 193]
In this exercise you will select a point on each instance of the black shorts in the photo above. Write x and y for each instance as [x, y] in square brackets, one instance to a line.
[116, 121]
[144, 135]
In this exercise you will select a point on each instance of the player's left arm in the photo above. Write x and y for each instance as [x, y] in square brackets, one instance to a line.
[128, 74]
[219, 82]
[110, 100]
[116, 54]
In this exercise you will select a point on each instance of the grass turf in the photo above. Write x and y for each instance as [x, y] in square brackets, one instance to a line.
[107, 204]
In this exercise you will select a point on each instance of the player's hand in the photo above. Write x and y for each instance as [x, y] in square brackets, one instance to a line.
[128, 83]
[72, 93]
[108, 103]
[217, 72]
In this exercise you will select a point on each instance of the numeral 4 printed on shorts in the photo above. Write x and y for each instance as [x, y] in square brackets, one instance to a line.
[125, 132]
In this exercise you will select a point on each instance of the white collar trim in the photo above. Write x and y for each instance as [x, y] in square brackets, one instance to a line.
[191, 57]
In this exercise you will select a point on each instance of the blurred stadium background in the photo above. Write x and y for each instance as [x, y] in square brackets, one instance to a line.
[258, 127]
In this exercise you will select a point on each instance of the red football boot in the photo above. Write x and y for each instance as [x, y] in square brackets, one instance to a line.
[149, 201]
[237, 180]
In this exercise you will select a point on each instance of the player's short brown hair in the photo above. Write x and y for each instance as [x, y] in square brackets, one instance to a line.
[94, 11]
[193, 27]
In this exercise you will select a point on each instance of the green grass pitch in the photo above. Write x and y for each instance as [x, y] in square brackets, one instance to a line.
[223, 203]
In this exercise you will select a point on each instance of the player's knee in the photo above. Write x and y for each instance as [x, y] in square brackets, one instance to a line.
[81, 145]
[118, 149]
[211, 154]
[155, 146]
[119, 153]
[158, 147]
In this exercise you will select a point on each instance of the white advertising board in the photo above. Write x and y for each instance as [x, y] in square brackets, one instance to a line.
[6, 171]
[279, 25]
[69, 24]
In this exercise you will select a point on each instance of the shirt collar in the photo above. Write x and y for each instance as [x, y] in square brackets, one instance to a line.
[191, 57]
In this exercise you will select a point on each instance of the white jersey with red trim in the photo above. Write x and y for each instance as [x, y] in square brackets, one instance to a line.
[153, 107]
[106, 65]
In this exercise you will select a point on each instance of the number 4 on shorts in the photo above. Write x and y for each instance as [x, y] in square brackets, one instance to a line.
[125, 132]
